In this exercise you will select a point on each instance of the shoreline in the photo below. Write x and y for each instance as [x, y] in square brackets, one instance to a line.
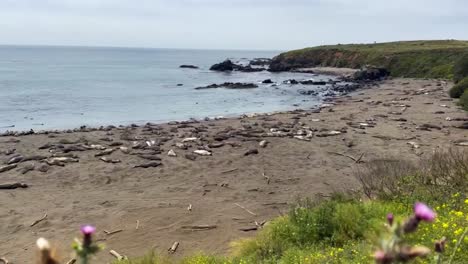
[113, 178]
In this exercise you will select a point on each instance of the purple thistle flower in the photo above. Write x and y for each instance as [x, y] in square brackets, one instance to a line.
[88, 230]
[390, 219]
[423, 212]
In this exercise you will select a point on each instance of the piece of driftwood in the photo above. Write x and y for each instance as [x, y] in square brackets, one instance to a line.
[247, 210]
[356, 160]
[4, 261]
[117, 255]
[71, 261]
[200, 227]
[113, 232]
[248, 229]
[228, 171]
[39, 220]
[137, 224]
[173, 248]
[11, 186]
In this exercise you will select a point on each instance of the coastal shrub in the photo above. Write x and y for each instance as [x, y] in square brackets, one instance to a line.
[458, 89]
[460, 70]
[464, 100]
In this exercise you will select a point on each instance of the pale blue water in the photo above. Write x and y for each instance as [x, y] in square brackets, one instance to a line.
[66, 87]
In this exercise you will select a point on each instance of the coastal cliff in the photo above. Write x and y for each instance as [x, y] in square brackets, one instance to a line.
[419, 59]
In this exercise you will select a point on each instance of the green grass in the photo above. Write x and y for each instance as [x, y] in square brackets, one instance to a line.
[459, 88]
[464, 100]
[345, 229]
[432, 59]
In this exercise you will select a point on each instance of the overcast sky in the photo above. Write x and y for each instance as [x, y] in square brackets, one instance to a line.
[228, 24]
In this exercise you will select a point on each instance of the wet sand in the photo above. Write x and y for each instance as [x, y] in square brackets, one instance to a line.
[300, 160]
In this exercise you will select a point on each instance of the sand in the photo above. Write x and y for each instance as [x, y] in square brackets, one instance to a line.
[116, 196]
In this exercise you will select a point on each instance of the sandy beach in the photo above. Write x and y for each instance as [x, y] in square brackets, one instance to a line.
[98, 176]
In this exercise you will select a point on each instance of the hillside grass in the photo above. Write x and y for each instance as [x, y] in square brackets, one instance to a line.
[347, 229]
[419, 59]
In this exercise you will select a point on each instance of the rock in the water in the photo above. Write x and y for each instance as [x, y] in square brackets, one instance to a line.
[229, 85]
[188, 66]
[267, 81]
[226, 65]
[251, 152]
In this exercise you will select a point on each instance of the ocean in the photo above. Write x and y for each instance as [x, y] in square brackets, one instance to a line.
[45, 88]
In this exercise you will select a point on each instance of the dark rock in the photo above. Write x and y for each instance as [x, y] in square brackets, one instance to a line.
[229, 85]
[291, 81]
[226, 65]
[267, 81]
[190, 156]
[371, 74]
[152, 164]
[260, 62]
[188, 66]
[312, 82]
[251, 152]
[248, 69]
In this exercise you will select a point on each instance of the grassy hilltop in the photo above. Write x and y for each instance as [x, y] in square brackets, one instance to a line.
[432, 59]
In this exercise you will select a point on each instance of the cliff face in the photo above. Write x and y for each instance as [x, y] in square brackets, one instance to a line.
[433, 59]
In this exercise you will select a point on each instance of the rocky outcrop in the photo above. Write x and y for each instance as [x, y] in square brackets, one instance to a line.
[229, 85]
[226, 65]
[260, 62]
[188, 66]
[371, 74]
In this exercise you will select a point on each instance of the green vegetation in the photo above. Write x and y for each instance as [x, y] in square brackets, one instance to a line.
[460, 69]
[345, 229]
[432, 59]
[459, 88]
[464, 100]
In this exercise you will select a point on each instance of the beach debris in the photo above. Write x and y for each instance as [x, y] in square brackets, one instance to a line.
[104, 152]
[356, 160]
[247, 210]
[251, 152]
[112, 232]
[190, 139]
[202, 152]
[152, 164]
[11, 186]
[137, 224]
[72, 261]
[189, 208]
[200, 227]
[263, 143]
[117, 255]
[413, 144]
[7, 167]
[228, 171]
[27, 168]
[38, 220]
[43, 168]
[124, 150]
[107, 160]
[174, 247]
[171, 153]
